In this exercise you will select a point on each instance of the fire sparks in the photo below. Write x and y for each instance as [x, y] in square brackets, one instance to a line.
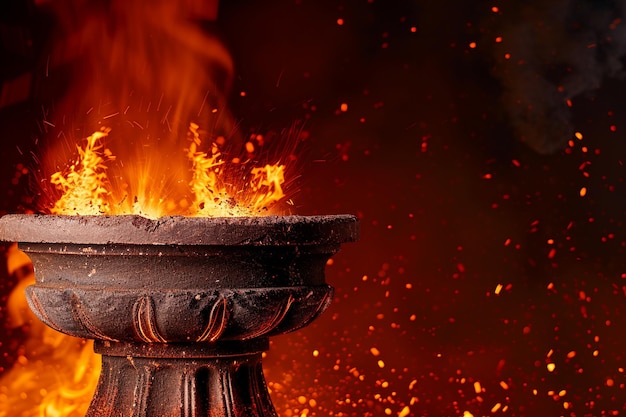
[212, 194]
[149, 96]
[84, 185]
[514, 302]
[216, 188]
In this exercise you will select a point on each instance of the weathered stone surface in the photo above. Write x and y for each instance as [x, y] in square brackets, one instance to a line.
[137, 230]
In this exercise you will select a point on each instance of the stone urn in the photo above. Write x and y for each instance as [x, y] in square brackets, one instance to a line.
[181, 309]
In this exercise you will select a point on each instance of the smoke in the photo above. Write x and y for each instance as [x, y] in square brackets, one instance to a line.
[552, 52]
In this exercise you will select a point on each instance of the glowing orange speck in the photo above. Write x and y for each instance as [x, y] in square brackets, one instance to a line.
[477, 388]
[340, 21]
[495, 9]
[583, 191]
[472, 45]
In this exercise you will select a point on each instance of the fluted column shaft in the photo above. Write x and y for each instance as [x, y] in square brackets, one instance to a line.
[180, 380]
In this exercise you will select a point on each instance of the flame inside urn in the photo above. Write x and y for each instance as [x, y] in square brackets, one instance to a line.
[143, 127]
[212, 187]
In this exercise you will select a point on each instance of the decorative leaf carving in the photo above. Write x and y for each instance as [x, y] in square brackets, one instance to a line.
[144, 320]
[216, 323]
[81, 317]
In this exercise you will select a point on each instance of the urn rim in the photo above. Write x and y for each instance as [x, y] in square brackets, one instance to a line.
[292, 230]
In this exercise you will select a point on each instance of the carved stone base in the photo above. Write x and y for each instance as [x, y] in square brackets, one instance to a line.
[182, 380]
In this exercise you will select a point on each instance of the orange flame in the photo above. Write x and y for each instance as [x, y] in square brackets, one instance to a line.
[145, 78]
[212, 195]
[84, 185]
[55, 375]
[147, 71]
[214, 187]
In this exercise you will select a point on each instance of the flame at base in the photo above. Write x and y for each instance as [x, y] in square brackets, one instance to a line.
[55, 375]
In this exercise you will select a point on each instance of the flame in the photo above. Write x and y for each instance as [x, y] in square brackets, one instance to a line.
[212, 195]
[148, 88]
[147, 93]
[84, 184]
[55, 375]
[216, 188]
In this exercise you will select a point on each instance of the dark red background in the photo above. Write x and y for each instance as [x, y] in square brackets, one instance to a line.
[441, 184]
